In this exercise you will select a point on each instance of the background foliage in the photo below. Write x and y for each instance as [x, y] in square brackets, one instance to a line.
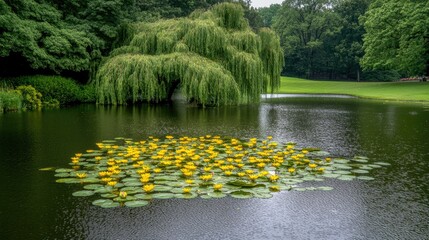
[214, 56]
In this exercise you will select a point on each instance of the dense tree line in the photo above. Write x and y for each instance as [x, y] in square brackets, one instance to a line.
[352, 39]
[332, 39]
[71, 36]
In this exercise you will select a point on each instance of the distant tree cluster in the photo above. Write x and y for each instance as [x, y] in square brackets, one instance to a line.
[352, 39]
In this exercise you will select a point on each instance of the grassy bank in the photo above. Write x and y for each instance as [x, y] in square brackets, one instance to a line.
[401, 91]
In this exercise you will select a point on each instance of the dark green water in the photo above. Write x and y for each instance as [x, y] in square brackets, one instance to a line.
[394, 206]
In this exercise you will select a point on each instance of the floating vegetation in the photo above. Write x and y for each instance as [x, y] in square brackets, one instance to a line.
[123, 172]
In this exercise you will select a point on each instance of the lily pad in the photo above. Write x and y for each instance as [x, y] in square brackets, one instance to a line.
[163, 195]
[46, 169]
[136, 203]
[68, 180]
[108, 195]
[90, 180]
[133, 184]
[365, 178]
[100, 202]
[360, 171]
[216, 194]
[62, 175]
[346, 177]
[263, 195]
[93, 186]
[382, 163]
[186, 195]
[205, 196]
[241, 194]
[144, 196]
[163, 188]
[325, 188]
[109, 205]
[64, 170]
[83, 193]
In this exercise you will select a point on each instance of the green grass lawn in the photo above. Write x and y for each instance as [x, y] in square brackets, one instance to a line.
[401, 91]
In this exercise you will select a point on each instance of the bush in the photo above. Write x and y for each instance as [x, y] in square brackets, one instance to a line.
[87, 94]
[10, 101]
[31, 98]
[64, 90]
[381, 76]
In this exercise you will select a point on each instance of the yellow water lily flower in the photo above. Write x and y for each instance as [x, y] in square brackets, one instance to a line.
[188, 173]
[276, 164]
[206, 177]
[186, 190]
[106, 179]
[291, 170]
[328, 159]
[144, 180]
[123, 194]
[253, 177]
[112, 183]
[312, 165]
[148, 188]
[189, 181]
[81, 175]
[275, 188]
[217, 187]
[274, 178]
[241, 174]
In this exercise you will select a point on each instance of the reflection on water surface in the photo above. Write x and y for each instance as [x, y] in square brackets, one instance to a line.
[393, 206]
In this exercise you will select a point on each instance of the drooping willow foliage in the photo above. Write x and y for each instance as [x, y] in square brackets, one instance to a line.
[214, 57]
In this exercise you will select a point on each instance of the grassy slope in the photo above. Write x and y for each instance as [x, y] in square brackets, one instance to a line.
[403, 91]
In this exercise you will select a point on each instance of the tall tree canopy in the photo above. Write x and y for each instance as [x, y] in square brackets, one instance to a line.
[73, 35]
[34, 31]
[304, 26]
[397, 36]
[348, 42]
[214, 56]
[268, 14]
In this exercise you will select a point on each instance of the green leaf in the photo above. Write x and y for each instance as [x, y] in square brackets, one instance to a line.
[163, 195]
[241, 194]
[136, 203]
[83, 193]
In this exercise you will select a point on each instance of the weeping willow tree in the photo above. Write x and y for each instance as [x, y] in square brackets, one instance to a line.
[214, 57]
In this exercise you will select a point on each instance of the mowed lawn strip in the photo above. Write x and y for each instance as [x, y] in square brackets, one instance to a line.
[402, 91]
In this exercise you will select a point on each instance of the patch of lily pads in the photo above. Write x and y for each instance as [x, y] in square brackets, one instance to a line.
[123, 172]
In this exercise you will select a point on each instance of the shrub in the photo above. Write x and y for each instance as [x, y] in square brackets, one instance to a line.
[87, 94]
[381, 76]
[10, 101]
[64, 90]
[31, 98]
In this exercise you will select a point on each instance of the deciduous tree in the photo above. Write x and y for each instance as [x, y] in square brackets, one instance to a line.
[397, 36]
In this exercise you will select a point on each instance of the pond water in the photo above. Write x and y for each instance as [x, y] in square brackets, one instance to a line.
[393, 206]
